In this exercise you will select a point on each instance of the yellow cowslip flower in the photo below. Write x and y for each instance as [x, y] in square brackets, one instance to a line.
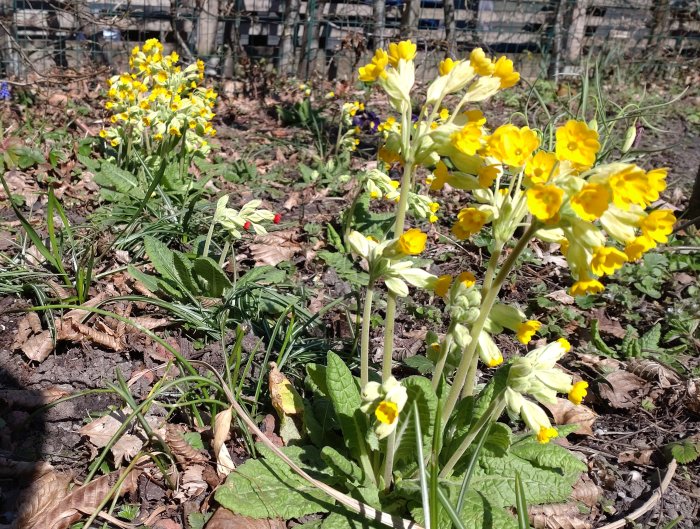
[591, 201]
[441, 176]
[467, 279]
[442, 285]
[577, 144]
[468, 139]
[503, 69]
[578, 392]
[412, 242]
[632, 185]
[657, 179]
[470, 221]
[606, 260]
[487, 174]
[544, 201]
[115, 141]
[444, 114]
[388, 156]
[586, 285]
[480, 62]
[446, 66]
[541, 167]
[386, 412]
[513, 145]
[475, 116]
[638, 247]
[658, 225]
[375, 69]
[405, 50]
[527, 330]
[385, 401]
[152, 44]
[545, 434]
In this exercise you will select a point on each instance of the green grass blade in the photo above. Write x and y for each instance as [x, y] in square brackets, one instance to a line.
[521, 503]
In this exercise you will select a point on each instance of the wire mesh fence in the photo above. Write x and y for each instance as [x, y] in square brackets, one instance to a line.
[331, 37]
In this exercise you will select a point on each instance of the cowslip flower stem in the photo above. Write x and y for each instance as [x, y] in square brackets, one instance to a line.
[210, 234]
[467, 366]
[364, 339]
[406, 183]
[444, 351]
[491, 297]
[491, 268]
[492, 413]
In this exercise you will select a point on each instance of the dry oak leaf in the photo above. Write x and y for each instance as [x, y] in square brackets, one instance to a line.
[557, 516]
[30, 398]
[57, 508]
[273, 248]
[607, 325]
[222, 429]
[637, 457]
[622, 389]
[586, 491]
[225, 519]
[183, 451]
[693, 395]
[101, 430]
[654, 372]
[566, 412]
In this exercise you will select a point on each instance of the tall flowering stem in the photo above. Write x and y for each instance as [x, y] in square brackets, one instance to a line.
[466, 371]
[364, 338]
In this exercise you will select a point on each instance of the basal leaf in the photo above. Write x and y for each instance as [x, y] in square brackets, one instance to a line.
[261, 490]
[183, 268]
[341, 466]
[161, 258]
[210, 277]
[420, 363]
[549, 456]
[344, 267]
[650, 341]
[344, 393]
[111, 176]
[316, 379]
[420, 390]
[149, 281]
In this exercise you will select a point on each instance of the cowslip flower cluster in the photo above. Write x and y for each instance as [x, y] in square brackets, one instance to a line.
[388, 261]
[536, 375]
[249, 217]
[385, 402]
[576, 205]
[157, 103]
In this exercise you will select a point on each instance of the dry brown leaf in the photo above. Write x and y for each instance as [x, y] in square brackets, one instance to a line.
[638, 457]
[192, 482]
[58, 510]
[654, 371]
[40, 493]
[602, 364]
[607, 325]
[29, 398]
[183, 451]
[557, 516]
[622, 389]
[166, 523]
[222, 428]
[274, 248]
[9, 468]
[285, 398]
[101, 430]
[693, 395]
[566, 412]
[292, 201]
[28, 325]
[225, 519]
[586, 491]
[562, 296]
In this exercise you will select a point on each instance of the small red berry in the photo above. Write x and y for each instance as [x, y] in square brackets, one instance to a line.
[278, 218]
[246, 226]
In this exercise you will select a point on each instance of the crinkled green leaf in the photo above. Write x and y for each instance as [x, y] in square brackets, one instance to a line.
[210, 277]
[420, 363]
[420, 390]
[161, 258]
[260, 489]
[685, 452]
[316, 379]
[113, 178]
[341, 466]
[344, 267]
[344, 392]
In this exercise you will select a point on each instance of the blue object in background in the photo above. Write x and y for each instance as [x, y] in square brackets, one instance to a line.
[5, 91]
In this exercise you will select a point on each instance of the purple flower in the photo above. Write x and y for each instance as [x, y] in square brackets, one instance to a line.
[5, 91]
[367, 121]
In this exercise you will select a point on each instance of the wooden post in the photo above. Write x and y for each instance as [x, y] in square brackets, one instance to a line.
[207, 27]
[448, 7]
[557, 41]
[291, 15]
[577, 31]
[409, 18]
[379, 14]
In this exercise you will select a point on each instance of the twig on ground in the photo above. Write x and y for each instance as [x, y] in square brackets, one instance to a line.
[649, 504]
